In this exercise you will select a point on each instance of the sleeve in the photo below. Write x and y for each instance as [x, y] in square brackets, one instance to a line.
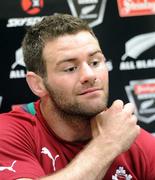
[147, 148]
[17, 150]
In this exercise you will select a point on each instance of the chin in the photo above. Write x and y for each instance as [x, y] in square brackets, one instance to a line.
[94, 111]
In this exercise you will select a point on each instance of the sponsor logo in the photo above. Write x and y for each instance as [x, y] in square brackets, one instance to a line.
[45, 151]
[134, 48]
[136, 7]
[9, 168]
[18, 69]
[90, 10]
[26, 21]
[142, 94]
[121, 174]
[32, 6]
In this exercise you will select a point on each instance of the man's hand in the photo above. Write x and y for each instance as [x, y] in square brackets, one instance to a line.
[117, 125]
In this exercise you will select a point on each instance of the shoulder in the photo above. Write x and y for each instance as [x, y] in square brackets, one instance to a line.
[145, 140]
[17, 130]
[143, 150]
[19, 115]
[144, 153]
[17, 122]
[140, 158]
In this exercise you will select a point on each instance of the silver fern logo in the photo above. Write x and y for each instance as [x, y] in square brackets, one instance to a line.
[18, 67]
[90, 10]
[19, 59]
[136, 46]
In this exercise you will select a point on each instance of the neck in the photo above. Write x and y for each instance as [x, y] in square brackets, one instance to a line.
[67, 127]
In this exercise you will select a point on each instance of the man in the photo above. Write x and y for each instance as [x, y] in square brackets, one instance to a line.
[70, 133]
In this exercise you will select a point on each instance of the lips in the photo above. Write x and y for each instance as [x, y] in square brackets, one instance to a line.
[90, 90]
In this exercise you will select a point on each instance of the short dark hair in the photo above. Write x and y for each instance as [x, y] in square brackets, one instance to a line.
[49, 28]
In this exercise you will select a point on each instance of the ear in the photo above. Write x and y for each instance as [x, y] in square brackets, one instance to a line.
[36, 84]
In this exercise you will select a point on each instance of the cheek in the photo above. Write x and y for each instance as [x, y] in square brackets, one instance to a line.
[103, 75]
[106, 78]
[103, 72]
[63, 85]
[105, 82]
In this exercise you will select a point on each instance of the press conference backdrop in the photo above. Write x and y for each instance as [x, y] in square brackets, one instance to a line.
[126, 32]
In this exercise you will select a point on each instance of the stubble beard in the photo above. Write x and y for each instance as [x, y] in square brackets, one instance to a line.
[73, 111]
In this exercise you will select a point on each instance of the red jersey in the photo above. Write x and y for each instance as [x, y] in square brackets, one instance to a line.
[28, 148]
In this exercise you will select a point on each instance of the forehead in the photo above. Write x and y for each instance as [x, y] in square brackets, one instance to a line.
[70, 45]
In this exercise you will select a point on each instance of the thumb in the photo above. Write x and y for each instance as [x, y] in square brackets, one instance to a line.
[116, 106]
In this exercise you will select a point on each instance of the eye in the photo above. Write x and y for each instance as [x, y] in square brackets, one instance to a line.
[95, 62]
[70, 69]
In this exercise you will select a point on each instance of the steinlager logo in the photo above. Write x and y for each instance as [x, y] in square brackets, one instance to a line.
[136, 7]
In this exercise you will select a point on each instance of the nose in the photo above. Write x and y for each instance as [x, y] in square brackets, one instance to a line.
[87, 75]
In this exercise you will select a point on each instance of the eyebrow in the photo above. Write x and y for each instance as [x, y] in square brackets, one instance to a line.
[73, 59]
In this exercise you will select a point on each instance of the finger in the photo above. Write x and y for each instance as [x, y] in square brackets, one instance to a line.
[129, 108]
[117, 106]
[134, 119]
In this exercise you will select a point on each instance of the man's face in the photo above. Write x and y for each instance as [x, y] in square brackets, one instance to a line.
[77, 76]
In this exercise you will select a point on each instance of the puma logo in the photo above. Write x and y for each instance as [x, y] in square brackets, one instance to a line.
[9, 168]
[48, 153]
